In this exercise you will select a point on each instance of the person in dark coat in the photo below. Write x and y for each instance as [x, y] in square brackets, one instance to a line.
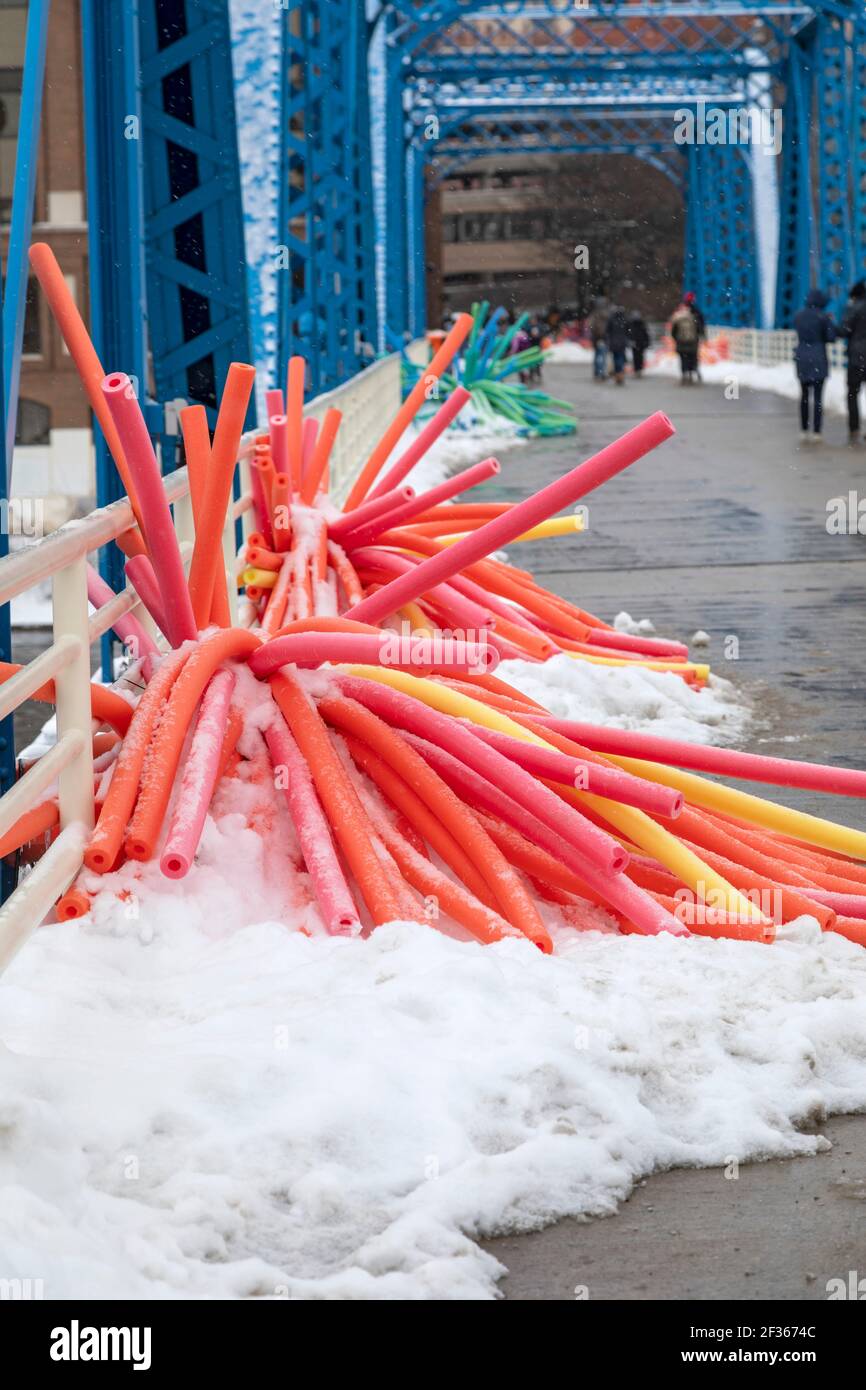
[639, 337]
[685, 332]
[616, 337]
[854, 330]
[597, 324]
[814, 329]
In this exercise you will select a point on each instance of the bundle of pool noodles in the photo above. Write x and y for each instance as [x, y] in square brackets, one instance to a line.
[392, 745]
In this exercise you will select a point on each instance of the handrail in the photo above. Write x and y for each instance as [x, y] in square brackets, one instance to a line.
[62, 557]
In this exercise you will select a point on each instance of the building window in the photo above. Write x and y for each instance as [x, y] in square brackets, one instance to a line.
[13, 27]
[32, 346]
[33, 425]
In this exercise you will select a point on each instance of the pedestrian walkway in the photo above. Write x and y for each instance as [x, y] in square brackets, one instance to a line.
[723, 528]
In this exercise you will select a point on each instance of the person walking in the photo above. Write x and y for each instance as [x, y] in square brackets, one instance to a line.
[597, 326]
[854, 331]
[685, 331]
[616, 335]
[639, 337]
[814, 329]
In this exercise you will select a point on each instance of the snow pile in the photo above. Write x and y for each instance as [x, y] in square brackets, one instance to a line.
[247, 1113]
[780, 379]
[568, 354]
[655, 702]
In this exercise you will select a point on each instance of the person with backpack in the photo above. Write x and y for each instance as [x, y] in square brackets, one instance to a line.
[616, 336]
[597, 327]
[854, 330]
[814, 329]
[639, 337]
[686, 333]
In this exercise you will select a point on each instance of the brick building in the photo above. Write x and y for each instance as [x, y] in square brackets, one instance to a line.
[53, 454]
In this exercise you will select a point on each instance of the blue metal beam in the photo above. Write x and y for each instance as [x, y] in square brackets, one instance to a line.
[23, 193]
[113, 155]
[196, 271]
[327, 305]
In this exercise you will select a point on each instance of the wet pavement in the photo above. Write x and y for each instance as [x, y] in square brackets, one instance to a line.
[723, 528]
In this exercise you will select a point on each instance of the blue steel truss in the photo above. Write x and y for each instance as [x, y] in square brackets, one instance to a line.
[476, 61]
[326, 284]
[196, 267]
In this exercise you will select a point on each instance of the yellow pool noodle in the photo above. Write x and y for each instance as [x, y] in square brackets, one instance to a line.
[638, 827]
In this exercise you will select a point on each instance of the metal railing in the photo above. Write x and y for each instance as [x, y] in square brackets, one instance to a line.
[771, 347]
[367, 402]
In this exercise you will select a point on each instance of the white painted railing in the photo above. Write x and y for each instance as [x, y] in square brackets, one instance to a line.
[768, 347]
[367, 403]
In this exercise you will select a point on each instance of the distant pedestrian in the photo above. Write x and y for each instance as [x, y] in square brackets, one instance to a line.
[536, 336]
[616, 334]
[597, 326]
[639, 337]
[854, 330]
[814, 329]
[686, 333]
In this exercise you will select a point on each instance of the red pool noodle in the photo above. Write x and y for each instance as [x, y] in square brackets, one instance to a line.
[447, 412]
[647, 646]
[464, 611]
[309, 649]
[523, 516]
[726, 762]
[617, 890]
[407, 712]
[409, 409]
[159, 531]
[602, 781]
[458, 482]
[381, 506]
[336, 904]
[279, 433]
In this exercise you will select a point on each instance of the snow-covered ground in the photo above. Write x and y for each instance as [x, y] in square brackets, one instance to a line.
[781, 379]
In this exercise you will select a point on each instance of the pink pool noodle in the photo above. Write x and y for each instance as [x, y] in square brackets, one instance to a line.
[128, 628]
[159, 532]
[199, 777]
[647, 646]
[727, 762]
[278, 429]
[460, 609]
[591, 777]
[370, 649]
[624, 896]
[418, 448]
[308, 443]
[499, 607]
[274, 404]
[368, 511]
[846, 904]
[260, 506]
[459, 482]
[521, 517]
[139, 572]
[397, 708]
[336, 905]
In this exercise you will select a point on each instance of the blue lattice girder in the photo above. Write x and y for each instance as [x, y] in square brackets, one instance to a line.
[456, 53]
[327, 305]
[196, 266]
[796, 229]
